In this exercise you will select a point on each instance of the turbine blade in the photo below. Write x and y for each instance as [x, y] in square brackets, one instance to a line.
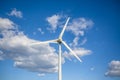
[71, 51]
[62, 32]
[44, 42]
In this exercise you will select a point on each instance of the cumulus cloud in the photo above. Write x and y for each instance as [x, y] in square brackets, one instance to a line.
[79, 51]
[15, 45]
[16, 13]
[113, 69]
[6, 24]
[53, 21]
[79, 25]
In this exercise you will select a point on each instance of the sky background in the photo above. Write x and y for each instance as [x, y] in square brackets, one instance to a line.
[93, 32]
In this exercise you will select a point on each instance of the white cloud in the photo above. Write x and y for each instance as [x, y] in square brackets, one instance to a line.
[79, 51]
[37, 58]
[6, 24]
[16, 13]
[41, 75]
[114, 69]
[53, 21]
[79, 25]
[40, 30]
[75, 42]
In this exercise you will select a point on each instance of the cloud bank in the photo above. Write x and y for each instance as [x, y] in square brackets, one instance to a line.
[15, 45]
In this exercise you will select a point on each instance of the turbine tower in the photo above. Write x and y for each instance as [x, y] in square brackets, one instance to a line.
[59, 41]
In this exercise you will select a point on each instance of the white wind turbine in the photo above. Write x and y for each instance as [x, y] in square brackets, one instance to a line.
[59, 41]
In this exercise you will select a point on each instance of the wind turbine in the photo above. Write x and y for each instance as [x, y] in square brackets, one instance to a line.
[60, 41]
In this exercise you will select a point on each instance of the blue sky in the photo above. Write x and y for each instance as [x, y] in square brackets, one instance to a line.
[92, 32]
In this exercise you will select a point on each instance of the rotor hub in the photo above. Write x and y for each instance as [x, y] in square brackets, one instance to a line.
[59, 41]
